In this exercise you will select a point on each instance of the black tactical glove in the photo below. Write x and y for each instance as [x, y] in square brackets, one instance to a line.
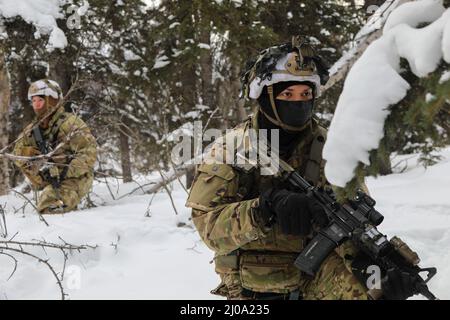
[294, 212]
[49, 173]
[397, 285]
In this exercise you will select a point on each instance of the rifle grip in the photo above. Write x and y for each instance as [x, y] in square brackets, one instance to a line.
[311, 258]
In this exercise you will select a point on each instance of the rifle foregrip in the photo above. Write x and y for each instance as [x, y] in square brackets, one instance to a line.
[311, 258]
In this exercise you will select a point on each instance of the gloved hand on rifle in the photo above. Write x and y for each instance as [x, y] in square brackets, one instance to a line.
[397, 285]
[50, 173]
[293, 212]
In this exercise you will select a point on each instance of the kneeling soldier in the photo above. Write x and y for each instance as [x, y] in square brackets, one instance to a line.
[67, 176]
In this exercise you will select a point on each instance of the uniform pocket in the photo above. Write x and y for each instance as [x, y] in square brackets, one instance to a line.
[269, 272]
[214, 184]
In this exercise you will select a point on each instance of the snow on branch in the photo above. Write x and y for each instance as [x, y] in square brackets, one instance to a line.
[40, 13]
[371, 31]
[374, 83]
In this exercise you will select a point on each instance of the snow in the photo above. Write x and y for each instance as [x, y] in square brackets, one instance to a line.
[422, 47]
[204, 46]
[374, 83]
[42, 14]
[237, 3]
[176, 52]
[57, 39]
[446, 42]
[429, 11]
[185, 130]
[429, 97]
[149, 257]
[130, 55]
[192, 114]
[154, 259]
[83, 9]
[445, 77]
[416, 206]
[387, 15]
[325, 32]
[375, 23]
[173, 25]
[161, 62]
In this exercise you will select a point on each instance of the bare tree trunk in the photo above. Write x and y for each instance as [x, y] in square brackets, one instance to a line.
[206, 69]
[206, 62]
[124, 145]
[190, 174]
[236, 88]
[59, 71]
[385, 166]
[4, 106]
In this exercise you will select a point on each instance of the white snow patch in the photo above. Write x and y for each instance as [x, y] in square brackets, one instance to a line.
[204, 46]
[40, 13]
[161, 62]
[429, 97]
[173, 25]
[445, 77]
[130, 55]
[374, 83]
[415, 13]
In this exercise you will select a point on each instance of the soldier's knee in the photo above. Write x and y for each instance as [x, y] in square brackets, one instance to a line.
[52, 203]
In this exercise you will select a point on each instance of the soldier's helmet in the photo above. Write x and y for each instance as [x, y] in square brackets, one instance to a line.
[45, 87]
[292, 61]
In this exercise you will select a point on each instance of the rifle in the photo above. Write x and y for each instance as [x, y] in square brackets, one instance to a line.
[46, 171]
[356, 221]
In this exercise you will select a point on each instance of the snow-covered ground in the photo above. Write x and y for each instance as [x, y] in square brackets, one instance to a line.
[138, 256]
[141, 257]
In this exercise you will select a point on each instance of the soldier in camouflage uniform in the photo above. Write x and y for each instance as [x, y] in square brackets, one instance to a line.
[253, 222]
[68, 175]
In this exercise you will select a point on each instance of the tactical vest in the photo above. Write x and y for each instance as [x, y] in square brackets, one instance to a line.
[235, 268]
[51, 136]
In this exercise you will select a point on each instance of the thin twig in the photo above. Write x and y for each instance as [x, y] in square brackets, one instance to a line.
[25, 198]
[141, 187]
[4, 229]
[168, 192]
[147, 212]
[15, 264]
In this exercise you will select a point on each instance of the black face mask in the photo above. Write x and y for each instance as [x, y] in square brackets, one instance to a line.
[294, 113]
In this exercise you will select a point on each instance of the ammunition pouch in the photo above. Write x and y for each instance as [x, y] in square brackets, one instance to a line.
[269, 272]
[257, 271]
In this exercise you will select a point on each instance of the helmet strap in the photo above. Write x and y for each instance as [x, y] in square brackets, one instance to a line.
[278, 121]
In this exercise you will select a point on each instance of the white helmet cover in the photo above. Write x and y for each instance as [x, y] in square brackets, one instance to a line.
[45, 87]
[281, 74]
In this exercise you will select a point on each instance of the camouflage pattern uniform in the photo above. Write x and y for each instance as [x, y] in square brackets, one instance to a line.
[250, 256]
[74, 160]
[254, 260]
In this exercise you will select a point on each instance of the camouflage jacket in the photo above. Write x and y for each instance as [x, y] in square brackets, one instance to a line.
[225, 200]
[76, 157]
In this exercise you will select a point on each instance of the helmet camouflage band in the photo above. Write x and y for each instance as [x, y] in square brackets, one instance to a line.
[45, 87]
[293, 61]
